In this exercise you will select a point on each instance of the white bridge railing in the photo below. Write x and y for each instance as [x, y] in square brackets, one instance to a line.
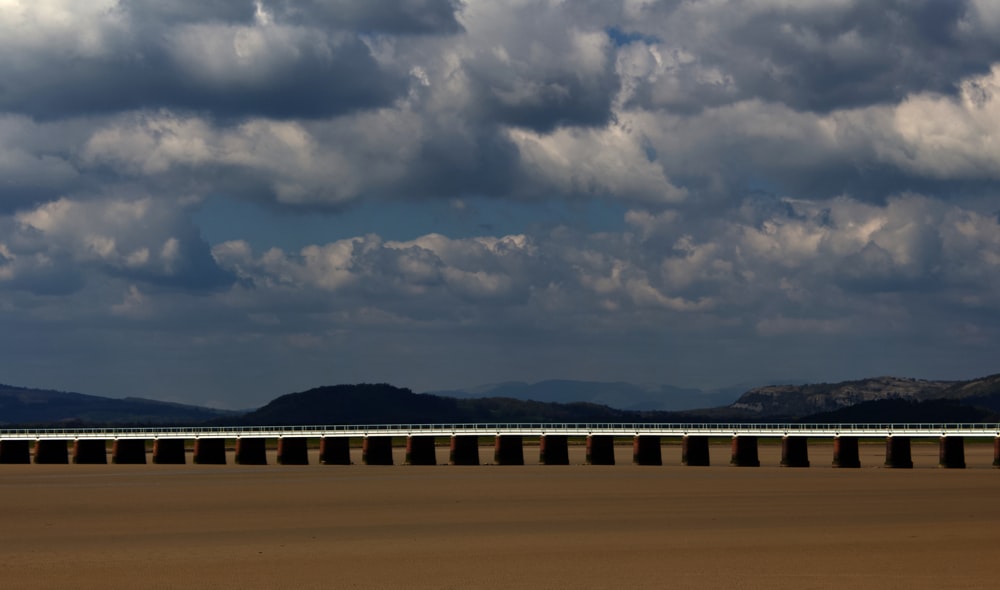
[510, 429]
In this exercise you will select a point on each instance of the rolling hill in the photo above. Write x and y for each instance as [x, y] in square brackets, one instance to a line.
[617, 394]
[26, 406]
[878, 399]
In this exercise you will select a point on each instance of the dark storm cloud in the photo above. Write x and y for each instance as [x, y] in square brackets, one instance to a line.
[512, 91]
[874, 52]
[383, 16]
[232, 69]
[813, 56]
[154, 13]
[462, 161]
[504, 95]
[529, 66]
[366, 16]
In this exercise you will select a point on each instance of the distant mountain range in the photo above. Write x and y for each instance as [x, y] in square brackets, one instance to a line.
[618, 394]
[878, 399]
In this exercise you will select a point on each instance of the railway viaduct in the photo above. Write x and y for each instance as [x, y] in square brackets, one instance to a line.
[170, 444]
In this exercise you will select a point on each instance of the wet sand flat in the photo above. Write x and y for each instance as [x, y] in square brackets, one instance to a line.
[577, 526]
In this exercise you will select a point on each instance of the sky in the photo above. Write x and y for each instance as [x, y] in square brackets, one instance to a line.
[223, 201]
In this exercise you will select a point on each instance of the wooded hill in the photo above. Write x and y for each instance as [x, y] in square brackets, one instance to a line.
[384, 404]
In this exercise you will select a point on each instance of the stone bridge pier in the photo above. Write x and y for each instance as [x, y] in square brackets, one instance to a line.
[508, 450]
[15, 451]
[646, 450]
[169, 451]
[951, 452]
[90, 451]
[420, 450]
[694, 451]
[464, 450]
[794, 451]
[250, 444]
[376, 450]
[51, 451]
[335, 450]
[251, 451]
[897, 452]
[553, 449]
[210, 451]
[600, 450]
[744, 452]
[128, 451]
[293, 450]
[845, 452]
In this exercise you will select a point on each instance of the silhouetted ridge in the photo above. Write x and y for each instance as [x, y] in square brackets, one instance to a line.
[364, 403]
[384, 404]
[879, 399]
[901, 410]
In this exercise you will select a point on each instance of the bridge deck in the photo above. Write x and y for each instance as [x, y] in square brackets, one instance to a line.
[526, 429]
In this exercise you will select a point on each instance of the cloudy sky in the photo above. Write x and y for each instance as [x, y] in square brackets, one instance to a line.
[218, 202]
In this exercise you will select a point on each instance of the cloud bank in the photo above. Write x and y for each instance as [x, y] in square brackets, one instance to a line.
[802, 190]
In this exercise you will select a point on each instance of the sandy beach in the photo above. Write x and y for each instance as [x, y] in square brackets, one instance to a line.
[577, 526]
